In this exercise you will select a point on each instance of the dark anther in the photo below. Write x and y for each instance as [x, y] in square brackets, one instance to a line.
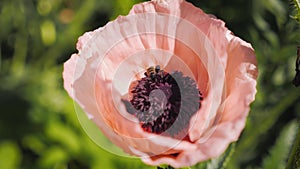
[164, 102]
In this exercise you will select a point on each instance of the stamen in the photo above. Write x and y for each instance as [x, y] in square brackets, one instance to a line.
[164, 102]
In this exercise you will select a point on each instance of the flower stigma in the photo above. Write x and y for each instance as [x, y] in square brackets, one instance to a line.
[161, 100]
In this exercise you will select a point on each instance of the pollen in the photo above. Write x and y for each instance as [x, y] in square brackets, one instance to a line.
[164, 102]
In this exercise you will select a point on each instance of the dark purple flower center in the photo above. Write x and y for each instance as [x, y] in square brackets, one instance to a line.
[164, 102]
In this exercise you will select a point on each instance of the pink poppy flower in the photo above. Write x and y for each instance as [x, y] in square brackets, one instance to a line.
[167, 83]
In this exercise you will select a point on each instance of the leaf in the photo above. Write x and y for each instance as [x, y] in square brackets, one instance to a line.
[279, 152]
[294, 159]
[10, 155]
[122, 7]
[297, 9]
[259, 128]
[201, 165]
[221, 162]
[53, 156]
[62, 134]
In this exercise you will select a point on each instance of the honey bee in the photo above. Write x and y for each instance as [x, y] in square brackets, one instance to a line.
[152, 71]
[296, 80]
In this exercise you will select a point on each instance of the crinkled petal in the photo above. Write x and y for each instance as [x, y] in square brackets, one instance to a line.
[92, 90]
[177, 36]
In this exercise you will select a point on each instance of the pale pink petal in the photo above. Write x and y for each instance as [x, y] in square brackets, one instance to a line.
[83, 40]
[68, 74]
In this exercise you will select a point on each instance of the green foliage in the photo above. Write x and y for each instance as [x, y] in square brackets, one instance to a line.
[221, 162]
[218, 163]
[10, 155]
[121, 7]
[39, 127]
[279, 152]
[296, 16]
[294, 159]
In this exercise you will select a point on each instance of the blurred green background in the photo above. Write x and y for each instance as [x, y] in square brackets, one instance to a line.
[38, 124]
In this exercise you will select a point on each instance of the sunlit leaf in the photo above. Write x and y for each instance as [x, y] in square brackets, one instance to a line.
[48, 32]
[60, 133]
[52, 157]
[10, 155]
[296, 4]
[122, 7]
